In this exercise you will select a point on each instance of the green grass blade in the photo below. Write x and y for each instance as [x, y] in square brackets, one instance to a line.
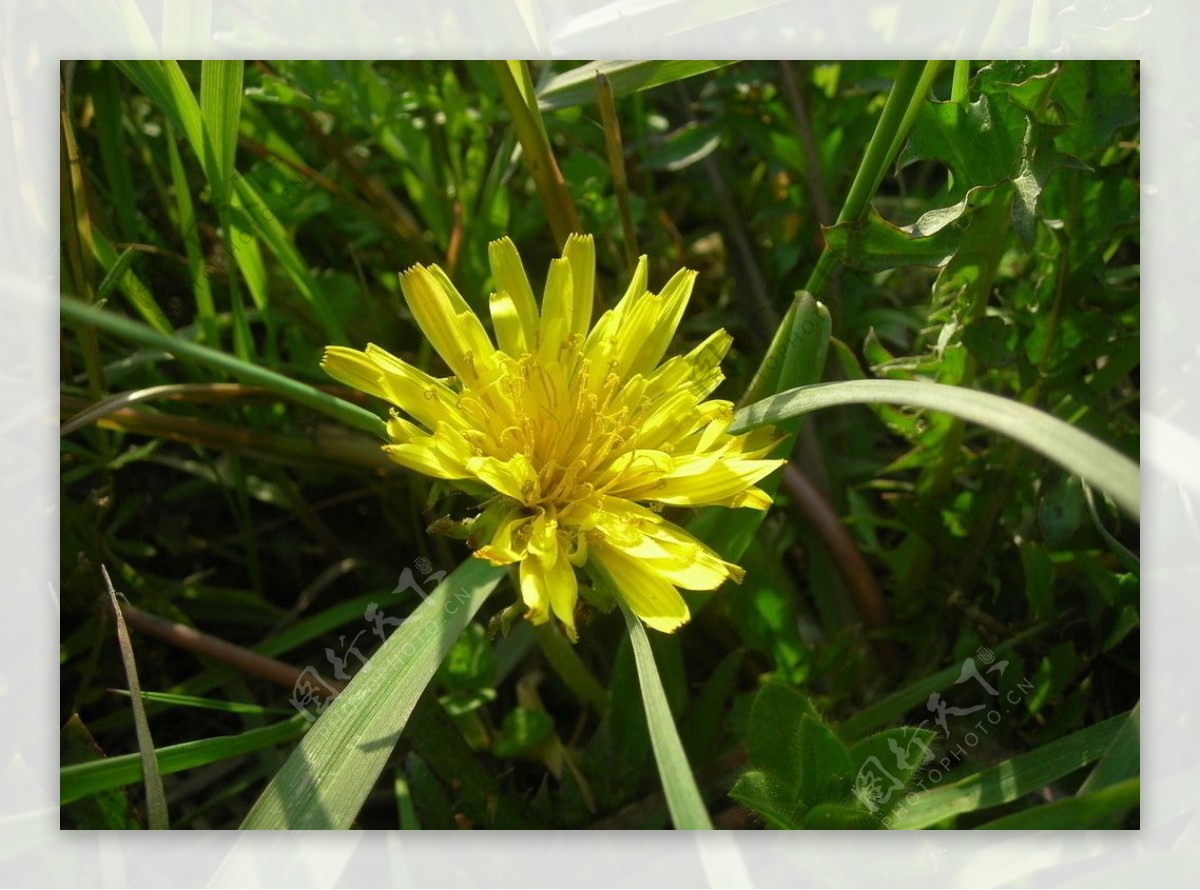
[118, 274]
[198, 272]
[156, 798]
[1085, 811]
[220, 109]
[679, 785]
[83, 779]
[325, 781]
[578, 86]
[1121, 761]
[1009, 780]
[165, 85]
[1096, 463]
[208, 704]
[310, 396]
[250, 212]
[1120, 764]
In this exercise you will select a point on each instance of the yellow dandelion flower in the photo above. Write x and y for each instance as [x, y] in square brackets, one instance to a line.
[579, 436]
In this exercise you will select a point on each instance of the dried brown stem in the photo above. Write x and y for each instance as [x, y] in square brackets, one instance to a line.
[246, 660]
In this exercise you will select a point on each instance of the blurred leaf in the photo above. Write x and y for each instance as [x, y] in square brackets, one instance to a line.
[1052, 676]
[470, 664]
[1098, 98]
[523, 729]
[689, 144]
[578, 86]
[1061, 511]
[1039, 580]
[108, 809]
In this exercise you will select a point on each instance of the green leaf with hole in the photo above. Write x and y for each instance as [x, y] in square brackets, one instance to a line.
[985, 143]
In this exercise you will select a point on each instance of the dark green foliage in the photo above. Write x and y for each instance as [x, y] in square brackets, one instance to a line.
[999, 253]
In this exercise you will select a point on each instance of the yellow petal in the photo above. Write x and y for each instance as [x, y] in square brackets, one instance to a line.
[557, 302]
[543, 540]
[424, 456]
[510, 543]
[651, 597]
[651, 331]
[718, 483]
[420, 395]
[509, 275]
[353, 368]
[580, 253]
[511, 335]
[535, 591]
[564, 591]
[514, 477]
[446, 319]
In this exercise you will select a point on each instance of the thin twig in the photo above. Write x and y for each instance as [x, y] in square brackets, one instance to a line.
[246, 660]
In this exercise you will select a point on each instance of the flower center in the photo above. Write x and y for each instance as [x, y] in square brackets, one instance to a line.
[574, 422]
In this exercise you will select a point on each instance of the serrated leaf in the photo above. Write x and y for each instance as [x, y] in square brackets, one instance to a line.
[985, 143]
[801, 761]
